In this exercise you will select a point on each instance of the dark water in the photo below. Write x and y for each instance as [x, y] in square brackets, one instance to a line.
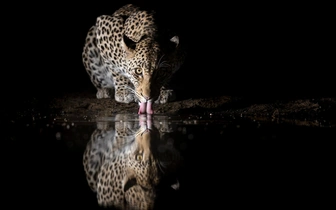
[211, 161]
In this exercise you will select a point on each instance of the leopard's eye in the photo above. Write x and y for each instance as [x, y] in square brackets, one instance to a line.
[138, 157]
[138, 71]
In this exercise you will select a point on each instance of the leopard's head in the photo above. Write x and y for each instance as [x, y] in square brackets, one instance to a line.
[149, 68]
[151, 58]
[149, 160]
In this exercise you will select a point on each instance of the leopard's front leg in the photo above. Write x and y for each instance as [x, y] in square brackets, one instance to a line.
[165, 96]
[123, 90]
[104, 93]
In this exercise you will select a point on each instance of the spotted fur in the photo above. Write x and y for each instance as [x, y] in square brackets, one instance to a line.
[126, 161]
[126, 55]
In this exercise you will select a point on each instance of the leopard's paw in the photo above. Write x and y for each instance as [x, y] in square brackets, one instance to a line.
[124, 96]
[165, 96]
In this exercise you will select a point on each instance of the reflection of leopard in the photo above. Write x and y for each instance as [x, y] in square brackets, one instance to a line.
[126, 162]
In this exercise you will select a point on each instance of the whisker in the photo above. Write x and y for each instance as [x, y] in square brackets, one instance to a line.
[140, 97]
[164, 64]
[140, 130]
[159, 61]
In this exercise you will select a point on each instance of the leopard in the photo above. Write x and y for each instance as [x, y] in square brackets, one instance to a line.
[128, 162]
[132, 56]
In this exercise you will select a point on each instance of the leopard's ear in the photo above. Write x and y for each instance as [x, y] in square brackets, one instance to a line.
[176, 40]
[129, 183]
[128, 46]
[176, 185]
[129, 180]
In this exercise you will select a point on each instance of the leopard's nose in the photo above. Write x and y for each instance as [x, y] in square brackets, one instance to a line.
[146, 97]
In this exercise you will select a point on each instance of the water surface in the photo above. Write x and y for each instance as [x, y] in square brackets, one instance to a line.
[211, 160]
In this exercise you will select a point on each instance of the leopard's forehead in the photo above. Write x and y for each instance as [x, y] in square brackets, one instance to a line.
[147, 54]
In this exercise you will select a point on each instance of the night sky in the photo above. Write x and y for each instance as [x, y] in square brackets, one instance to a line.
[233, 49]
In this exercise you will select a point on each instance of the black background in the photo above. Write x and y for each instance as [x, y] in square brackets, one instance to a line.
[244, 49]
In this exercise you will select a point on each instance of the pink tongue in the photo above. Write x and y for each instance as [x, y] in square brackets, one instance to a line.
[142, 108]
[145, 107]
[149, 108]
